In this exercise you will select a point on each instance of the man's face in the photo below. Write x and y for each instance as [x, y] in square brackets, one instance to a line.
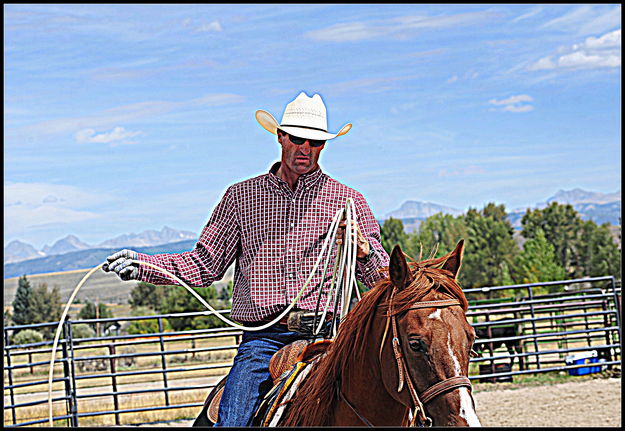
[300, 159]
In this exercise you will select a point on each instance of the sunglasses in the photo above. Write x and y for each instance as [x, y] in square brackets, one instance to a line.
[300, 141]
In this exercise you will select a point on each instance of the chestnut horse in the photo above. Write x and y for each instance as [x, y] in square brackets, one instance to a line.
[400, 357]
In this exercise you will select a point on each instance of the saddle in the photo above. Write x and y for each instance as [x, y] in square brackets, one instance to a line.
[285, 367]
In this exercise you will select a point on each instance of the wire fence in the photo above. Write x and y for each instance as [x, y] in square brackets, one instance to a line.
[134, 379]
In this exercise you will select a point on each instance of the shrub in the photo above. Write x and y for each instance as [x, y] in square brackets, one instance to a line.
[148, 326]
[83, 330]
[27, 336]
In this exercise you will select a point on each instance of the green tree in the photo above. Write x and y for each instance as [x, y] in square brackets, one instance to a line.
[46, 306]
[560, 225]
[8, 318]
[179, 300]
[537, 262]
[88, 311]
[36, 305]
[442, 230]
[497, 212]
[147, 326]
[146, 295]
[597, 253]
[392, 233]
[22, 312]
[490, 248]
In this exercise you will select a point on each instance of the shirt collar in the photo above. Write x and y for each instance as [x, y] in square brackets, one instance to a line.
[306, 180]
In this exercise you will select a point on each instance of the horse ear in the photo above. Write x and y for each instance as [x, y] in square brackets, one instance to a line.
[454, 261]
[398, 268]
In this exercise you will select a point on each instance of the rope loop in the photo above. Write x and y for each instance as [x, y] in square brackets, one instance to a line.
[347, 274]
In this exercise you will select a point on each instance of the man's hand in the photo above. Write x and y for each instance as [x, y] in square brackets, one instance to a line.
[121, 264]
[362, 245]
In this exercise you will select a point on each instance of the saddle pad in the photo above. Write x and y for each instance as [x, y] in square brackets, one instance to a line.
[276, 398]
[281, 403]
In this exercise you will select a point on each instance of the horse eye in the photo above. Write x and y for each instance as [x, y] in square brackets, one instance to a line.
[418, 345]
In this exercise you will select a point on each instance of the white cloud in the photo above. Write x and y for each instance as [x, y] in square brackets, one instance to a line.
[531, 13]
[522, 108]
[126, 113]
[356, 31]
[214, 26]
[592, 53]
[452, 79]
[29, 205]
[587, 19]
[512, 100]
[88, 136]
[514, 103]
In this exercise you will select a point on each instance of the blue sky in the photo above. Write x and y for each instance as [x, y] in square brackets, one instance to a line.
[122, 118]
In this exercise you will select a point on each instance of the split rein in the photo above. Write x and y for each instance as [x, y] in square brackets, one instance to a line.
[419, 416]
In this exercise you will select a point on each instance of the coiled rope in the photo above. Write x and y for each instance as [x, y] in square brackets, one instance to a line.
[346, 284]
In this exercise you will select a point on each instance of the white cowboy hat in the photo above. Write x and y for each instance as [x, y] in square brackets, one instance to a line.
[304, 117]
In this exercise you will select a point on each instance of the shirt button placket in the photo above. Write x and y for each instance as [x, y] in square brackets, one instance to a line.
[290, 255]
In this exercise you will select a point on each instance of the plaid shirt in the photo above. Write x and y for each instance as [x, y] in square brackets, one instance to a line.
[275, 234]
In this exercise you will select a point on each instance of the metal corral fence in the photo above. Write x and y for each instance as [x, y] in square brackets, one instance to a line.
[125, 379]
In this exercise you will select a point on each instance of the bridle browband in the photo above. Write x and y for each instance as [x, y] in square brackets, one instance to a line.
[419, 400]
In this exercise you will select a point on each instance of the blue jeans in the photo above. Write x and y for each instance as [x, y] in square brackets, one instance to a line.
[249, 379]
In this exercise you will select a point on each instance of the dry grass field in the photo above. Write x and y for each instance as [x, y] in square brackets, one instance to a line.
[104, 286]
[97, 384]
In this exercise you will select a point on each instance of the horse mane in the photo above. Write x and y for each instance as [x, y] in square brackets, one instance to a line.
[312, 403]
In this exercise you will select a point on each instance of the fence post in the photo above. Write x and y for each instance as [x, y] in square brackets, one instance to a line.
[531, 296]
[114, 381]
[163, 360]
[489, 334]
[617, 308]
[70, 383]
[10, 373]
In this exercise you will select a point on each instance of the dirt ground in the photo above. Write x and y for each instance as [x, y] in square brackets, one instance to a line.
[587, 403]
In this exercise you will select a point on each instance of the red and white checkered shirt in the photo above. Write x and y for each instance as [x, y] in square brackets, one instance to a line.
[276, 235]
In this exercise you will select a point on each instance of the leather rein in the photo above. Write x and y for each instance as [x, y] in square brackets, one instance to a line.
[419, 417]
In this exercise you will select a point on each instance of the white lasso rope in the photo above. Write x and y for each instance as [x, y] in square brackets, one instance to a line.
[347, 213]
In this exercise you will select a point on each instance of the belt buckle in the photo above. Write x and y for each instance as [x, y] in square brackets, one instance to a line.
[294, 320]
[302, 321]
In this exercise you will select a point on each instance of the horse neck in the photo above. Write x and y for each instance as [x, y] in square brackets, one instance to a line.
[364, 387]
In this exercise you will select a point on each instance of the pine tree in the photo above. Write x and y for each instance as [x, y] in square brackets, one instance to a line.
[597, 253]
[490, 248]
[560, 225]
[392, 233]
[537, 262]
[440, 232]
[22, 312]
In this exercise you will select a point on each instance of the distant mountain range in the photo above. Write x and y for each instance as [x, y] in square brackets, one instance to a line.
[71, 253]
[17, 251]
[84, 259]
[599, 207]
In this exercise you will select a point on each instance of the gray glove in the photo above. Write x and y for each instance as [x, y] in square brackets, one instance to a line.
[120, 263]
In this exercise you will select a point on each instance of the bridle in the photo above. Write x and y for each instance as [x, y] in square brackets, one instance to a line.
[419, 417]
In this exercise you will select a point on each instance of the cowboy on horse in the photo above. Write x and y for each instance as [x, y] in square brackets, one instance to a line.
[273, 226]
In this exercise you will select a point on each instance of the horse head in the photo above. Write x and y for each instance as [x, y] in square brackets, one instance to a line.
[426, 311]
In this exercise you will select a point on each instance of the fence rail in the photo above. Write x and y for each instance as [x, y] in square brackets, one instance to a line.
[125, 379]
